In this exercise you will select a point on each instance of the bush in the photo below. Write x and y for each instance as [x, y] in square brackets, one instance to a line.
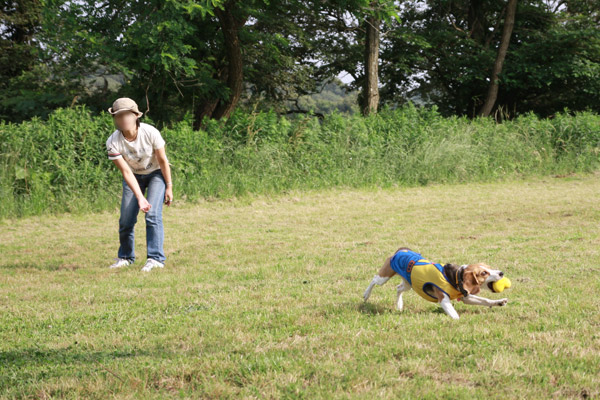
[60, 164]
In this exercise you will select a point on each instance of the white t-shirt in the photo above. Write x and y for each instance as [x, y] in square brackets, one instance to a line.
[139, 154]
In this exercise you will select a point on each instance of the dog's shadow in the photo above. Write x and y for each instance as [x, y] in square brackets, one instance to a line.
[380, 309]
[373, 308]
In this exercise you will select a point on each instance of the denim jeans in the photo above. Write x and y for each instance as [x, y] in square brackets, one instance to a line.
[153, 186]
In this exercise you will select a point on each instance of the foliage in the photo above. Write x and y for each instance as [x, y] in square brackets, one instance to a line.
[442, 54]
[60, 164]
[175, 55]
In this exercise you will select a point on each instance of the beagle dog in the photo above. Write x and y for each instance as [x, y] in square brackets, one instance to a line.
[437, 283]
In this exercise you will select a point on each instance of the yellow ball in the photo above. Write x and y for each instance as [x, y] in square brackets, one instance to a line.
[502, 284]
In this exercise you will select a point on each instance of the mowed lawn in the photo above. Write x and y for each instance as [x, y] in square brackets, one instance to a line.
[262, 298]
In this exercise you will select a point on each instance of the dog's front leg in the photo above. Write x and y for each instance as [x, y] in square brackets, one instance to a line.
[482, 301]
[447, 306]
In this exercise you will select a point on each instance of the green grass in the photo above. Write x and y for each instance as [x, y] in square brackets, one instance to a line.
[261, 298]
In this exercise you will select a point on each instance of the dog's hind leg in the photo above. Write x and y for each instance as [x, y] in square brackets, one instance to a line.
[384, 275]
[403, 287]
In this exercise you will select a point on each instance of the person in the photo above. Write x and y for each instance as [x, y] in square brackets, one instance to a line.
[138, 151]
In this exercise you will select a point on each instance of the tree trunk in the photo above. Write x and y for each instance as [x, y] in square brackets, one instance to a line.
[492, 93]
[232, 74]
[202, 110]
[476, 20]
[370, 95]
[233, 53]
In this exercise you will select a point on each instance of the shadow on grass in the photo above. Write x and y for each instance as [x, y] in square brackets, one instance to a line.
[24, 366]
[380, 309]
[68, 355]
[41, 267]
[373, 308]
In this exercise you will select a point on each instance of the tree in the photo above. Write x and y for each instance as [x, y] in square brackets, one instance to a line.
[207, 58]
[198, 57]
[231, 74]
[162, 49]
[20, 22]
[27, 87]
[443, 54]
[370, 97]
[345, 38]
[492, 94]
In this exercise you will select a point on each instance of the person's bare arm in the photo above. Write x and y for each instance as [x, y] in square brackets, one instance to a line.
[161, 157]
[133, 184]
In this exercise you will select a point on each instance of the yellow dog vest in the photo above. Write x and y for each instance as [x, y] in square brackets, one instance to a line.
[429, 274]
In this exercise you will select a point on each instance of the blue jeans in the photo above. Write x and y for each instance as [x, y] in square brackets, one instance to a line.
[154, 185]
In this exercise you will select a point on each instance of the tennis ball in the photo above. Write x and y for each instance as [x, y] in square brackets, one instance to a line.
[500, 285]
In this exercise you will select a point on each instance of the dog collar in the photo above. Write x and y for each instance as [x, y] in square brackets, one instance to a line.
[459, 280]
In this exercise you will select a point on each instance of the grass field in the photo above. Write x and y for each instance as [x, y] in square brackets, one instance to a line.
[261, 298]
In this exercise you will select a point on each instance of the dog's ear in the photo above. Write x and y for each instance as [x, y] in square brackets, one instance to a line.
[471, 280]
[452, 267]
[450, 270]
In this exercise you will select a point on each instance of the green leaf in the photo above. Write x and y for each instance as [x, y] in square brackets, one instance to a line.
[20, 173]
[165, 54]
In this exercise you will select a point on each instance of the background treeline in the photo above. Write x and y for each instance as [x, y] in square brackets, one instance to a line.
[201, 60]
[60, 164]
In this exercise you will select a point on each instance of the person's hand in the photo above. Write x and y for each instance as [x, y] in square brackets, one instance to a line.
[144, 205]
[168, 195]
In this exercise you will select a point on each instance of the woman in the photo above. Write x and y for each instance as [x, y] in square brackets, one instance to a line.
[138, 150]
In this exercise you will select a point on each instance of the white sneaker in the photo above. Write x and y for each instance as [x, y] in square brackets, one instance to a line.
[120, 262]
[150, 263]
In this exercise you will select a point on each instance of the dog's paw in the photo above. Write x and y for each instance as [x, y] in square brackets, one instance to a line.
[501, 302]
[399, 305]
[367, 293]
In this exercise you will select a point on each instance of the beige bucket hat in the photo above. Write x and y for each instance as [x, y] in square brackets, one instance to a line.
[125, 104]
